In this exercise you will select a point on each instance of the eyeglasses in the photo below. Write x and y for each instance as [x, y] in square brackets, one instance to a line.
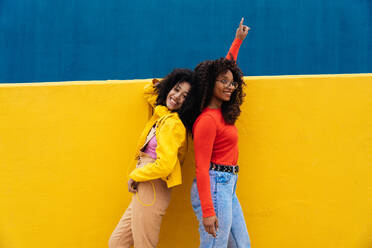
[227, 84]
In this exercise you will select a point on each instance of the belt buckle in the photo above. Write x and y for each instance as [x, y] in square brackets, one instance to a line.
[235, 170]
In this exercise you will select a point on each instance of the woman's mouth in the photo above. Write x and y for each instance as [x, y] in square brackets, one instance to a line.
[172, 101]
[227, 93]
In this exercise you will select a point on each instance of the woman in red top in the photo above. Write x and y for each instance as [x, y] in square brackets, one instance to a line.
[213, 194]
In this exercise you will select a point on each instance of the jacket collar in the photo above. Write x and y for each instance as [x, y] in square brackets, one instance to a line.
[161, 110]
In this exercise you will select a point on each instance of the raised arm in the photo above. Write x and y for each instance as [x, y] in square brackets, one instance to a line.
[149, 92]
[241, 33]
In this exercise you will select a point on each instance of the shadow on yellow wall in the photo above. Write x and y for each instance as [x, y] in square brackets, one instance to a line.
[305, 157]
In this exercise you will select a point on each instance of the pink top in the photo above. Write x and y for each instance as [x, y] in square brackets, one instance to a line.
[151, 147]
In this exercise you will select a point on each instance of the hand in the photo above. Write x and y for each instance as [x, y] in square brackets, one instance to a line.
[211, 225]
[132, 185]
[155, 82]
[242, 30]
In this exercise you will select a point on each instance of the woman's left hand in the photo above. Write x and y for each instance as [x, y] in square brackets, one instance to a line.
[132, 185]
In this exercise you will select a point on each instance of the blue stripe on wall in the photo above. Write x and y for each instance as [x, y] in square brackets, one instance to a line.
[64, 40]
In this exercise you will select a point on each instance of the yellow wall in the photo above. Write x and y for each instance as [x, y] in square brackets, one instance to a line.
[305, 157]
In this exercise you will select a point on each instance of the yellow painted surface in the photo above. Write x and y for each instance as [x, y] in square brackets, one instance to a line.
[305, 157]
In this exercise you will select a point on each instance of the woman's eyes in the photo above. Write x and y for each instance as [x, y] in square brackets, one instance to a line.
[178, 90]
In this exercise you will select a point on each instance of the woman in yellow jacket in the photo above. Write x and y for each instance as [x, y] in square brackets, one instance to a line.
[157, 165]
[161, 150]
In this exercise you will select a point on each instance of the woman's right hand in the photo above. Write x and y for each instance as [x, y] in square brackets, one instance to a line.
[132, 185]
[242, 30]
[155, 82]
[211, 225]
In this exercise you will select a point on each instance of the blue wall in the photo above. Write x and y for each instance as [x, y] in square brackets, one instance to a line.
[62, 40]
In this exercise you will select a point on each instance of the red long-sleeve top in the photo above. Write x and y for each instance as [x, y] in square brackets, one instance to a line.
[234, 49]
[214, 141]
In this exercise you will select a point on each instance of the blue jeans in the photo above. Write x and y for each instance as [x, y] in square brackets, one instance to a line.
[232, 231]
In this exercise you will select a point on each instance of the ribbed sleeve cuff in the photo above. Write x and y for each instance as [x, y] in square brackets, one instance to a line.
[209, 212]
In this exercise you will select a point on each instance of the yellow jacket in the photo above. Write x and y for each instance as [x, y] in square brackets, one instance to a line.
[171, 145]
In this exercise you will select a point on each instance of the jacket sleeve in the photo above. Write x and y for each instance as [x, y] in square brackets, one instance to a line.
[233, 52]
[171, 136]
[150, 93]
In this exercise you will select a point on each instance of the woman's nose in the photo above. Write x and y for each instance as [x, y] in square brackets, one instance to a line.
[177, 95]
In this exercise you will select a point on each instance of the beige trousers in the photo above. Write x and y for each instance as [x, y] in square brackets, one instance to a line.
[140, 224]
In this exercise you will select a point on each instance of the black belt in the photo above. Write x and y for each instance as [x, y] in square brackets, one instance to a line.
[225, 168]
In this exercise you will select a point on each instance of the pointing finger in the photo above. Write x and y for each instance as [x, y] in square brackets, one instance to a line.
[241, 22]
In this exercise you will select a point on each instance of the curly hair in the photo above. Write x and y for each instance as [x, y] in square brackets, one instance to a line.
[186, 112]
[207, 73]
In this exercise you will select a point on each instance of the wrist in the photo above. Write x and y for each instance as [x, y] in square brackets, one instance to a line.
[209, 213]
[238, 40]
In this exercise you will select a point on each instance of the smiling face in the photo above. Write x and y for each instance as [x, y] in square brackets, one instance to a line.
[177, 95]
[223, 87]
